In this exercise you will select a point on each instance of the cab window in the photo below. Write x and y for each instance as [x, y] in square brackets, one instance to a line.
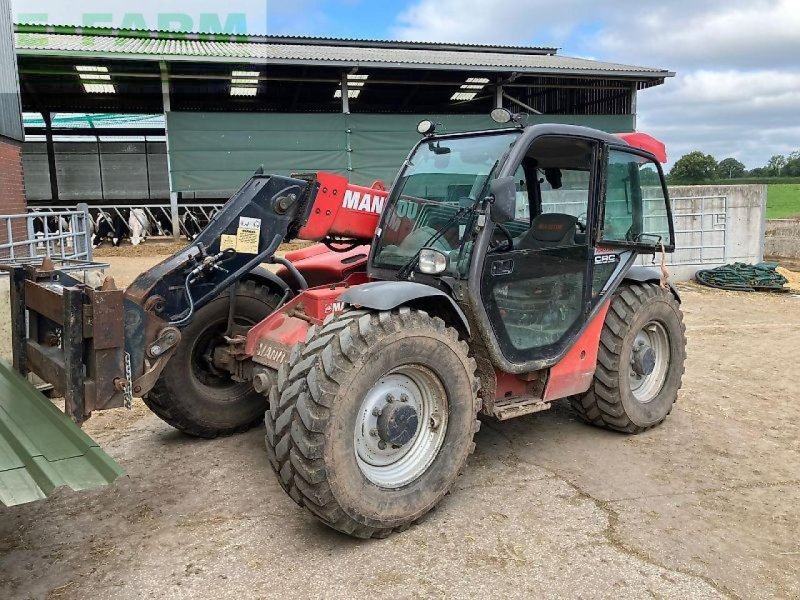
[635, 209]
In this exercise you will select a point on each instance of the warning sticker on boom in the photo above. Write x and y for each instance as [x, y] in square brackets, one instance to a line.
[249, 223]
[227, 242]
[248, 235]
[247, 238]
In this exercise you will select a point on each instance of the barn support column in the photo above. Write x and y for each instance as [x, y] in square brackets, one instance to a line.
[173, 195]
[51, 155]
[634, 93]
[345, 95]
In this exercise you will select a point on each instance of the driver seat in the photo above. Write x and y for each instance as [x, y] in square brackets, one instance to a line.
[548, 230]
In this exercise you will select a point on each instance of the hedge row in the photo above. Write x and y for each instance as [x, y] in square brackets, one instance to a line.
[744, 181]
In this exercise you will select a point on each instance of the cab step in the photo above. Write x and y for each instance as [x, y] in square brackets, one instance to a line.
[508, 408]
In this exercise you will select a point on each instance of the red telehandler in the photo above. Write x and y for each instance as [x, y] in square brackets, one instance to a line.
[497, 275]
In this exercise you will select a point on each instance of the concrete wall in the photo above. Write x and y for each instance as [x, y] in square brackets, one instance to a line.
[716, 225]
[783, 238]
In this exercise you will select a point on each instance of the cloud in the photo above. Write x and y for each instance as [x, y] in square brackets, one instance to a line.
[737, 92]
[477, 21]
[749, 115]
[737, 34]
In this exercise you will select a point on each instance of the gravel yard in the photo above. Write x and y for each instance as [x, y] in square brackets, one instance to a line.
[705, 506]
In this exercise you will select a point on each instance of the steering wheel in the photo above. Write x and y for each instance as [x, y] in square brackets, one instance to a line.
[505, 245]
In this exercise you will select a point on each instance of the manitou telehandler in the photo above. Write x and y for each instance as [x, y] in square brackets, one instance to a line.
[501, 274]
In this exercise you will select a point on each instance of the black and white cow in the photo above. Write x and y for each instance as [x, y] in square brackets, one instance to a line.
[163, 224]
[45, 227]
[110, 227]
[194, 221]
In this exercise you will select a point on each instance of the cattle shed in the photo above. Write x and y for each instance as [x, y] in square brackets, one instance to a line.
[192, 115]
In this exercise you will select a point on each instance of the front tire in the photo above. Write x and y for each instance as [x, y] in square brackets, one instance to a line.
[373, 418]
[640, 361]
[190, 395]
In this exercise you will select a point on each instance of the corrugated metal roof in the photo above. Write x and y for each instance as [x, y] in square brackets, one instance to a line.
[278, 39]
[179, 48]
[41, 449]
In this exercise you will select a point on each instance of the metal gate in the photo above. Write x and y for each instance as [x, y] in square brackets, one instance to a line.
[60, 234]
[700, 230]
[159, 216]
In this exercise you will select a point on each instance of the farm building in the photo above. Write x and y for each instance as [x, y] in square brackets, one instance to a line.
[131, 116]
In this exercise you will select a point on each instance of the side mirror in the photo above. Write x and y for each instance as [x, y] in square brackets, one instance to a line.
[504, 191]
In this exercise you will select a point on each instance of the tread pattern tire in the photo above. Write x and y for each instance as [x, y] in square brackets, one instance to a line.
[299, 407]
[167, 398]
[603, 405]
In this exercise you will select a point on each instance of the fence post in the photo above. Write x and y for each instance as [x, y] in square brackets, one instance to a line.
[85, 239]
[10, 238]
[31, 237]
[173, 207]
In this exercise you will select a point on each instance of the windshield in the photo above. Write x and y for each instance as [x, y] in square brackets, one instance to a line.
[432, 200]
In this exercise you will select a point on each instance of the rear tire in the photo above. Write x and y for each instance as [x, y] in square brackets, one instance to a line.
[318, 434]
[621, 398]
[188, 395]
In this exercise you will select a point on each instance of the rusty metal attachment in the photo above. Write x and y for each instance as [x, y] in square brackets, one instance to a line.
[47, 265]
[168, 338]
[70, 335]
[109, 285]
[154, 303]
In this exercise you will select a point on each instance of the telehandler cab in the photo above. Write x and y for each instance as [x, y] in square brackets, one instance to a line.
[502, 275]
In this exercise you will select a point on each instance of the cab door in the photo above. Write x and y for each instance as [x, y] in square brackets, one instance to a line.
[536, 293]
[634, 216]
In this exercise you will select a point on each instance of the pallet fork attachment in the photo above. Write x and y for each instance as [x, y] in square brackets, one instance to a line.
[59, 325]
[100, 347]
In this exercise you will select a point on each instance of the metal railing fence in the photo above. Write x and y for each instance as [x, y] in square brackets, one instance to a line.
[60, 234]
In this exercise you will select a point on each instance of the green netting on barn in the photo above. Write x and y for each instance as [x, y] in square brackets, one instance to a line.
[217, 152]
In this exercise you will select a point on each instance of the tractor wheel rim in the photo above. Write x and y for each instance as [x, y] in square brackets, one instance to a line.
[413, 400]
[645, 387]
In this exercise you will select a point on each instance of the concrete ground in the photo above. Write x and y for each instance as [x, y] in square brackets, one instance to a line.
[705, 506]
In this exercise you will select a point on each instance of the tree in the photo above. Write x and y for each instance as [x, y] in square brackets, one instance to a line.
[730, 168]
[694, 167]
[776, 164]
[792, 167]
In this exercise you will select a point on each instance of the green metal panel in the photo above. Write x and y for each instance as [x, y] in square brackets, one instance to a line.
[217, 152]
[380, 143]
[41, 449]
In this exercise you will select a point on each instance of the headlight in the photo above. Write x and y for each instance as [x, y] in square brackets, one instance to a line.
[501, 115]
[426, 127]
[432, 262]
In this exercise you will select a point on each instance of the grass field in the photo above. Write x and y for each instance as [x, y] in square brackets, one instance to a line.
[783, 200]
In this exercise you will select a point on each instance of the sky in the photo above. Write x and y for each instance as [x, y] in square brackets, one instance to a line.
[736, 93]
